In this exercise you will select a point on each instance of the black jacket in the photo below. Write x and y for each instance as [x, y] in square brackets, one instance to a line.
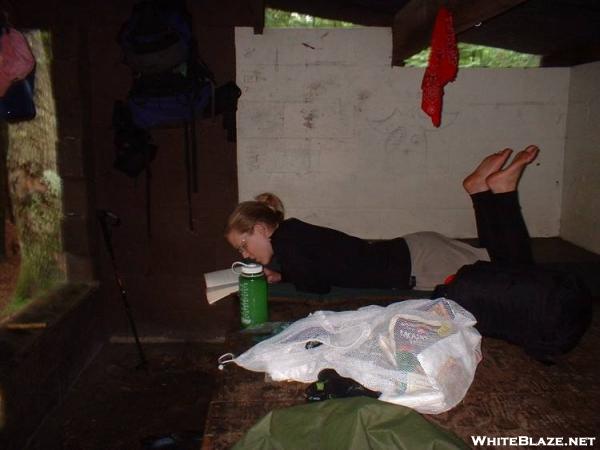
[316, 258]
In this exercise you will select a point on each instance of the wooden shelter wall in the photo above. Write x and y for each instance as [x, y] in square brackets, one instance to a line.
[162, 275]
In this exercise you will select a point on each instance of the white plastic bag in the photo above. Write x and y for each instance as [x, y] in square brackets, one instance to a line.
[417, 353]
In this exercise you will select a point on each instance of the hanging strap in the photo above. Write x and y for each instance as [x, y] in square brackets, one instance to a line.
[148, 204]
[225, 359]
[188, 184]
[194, 151]
[212, 100]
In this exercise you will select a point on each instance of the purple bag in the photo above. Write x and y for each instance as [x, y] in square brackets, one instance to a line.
[153, 109]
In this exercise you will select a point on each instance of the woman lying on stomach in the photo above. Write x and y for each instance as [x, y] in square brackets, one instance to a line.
[315, 258]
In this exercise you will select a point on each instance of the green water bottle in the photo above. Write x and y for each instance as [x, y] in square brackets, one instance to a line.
[253, 294]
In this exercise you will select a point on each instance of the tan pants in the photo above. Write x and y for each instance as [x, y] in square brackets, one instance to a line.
[434, 257]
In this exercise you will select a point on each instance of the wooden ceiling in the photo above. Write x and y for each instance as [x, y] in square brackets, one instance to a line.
[564, 32]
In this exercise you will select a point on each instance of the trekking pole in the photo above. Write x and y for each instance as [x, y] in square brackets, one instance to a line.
[148, 205]
[188, 171]
[194, 161]
[106, 219]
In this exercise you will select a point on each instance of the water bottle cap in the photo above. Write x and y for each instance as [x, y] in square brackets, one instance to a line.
[247, 268]
[252, 268]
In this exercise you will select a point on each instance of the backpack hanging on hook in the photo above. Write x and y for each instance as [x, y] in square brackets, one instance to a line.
[17, 76]
[16, 59]
[172, 86]
[156, 37]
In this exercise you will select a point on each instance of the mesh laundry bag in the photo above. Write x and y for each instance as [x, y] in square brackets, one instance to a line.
[417, 353]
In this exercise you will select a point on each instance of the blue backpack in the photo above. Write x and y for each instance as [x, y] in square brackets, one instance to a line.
[172, 85]
[157, 37]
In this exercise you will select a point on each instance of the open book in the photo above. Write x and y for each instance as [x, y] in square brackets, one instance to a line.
[220, 284]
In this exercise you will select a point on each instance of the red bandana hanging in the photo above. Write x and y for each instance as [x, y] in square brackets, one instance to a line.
[442, 66]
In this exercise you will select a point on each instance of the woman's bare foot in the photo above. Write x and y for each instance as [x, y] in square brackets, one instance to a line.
[507, 180]
[476, 182]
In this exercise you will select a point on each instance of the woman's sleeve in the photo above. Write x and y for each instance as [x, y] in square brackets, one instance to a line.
[304, 272]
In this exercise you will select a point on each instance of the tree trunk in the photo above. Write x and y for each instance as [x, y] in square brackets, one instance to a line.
[34, 185]
[4, 205]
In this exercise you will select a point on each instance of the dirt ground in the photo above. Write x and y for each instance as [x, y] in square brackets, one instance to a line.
[9, 268]
[116, 406]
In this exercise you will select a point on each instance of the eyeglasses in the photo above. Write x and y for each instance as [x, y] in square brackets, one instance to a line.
[243, 246]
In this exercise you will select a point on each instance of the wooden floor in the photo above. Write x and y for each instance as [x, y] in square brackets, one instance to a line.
[511, 395]
[557, 250]
[114, 406]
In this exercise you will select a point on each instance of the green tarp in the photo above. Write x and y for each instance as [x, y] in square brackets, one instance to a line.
[357, 423]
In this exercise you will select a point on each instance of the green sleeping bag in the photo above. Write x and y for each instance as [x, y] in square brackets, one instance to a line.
[347, 424]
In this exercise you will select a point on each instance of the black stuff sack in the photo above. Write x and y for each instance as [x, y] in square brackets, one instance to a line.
[18, 103]
[225, 101]
[543, 310]
[134, 150]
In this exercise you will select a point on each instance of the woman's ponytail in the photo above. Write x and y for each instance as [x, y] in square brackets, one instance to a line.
[267, 208]
[273, 202]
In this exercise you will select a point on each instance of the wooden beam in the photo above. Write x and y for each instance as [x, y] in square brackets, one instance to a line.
[26, 326]
[572, 56]
[413, 24]
[258, 7]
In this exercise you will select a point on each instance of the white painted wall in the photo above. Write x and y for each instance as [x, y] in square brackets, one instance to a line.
[580, 222]
[326, 123]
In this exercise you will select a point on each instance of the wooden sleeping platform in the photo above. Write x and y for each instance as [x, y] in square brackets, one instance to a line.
[512, 394]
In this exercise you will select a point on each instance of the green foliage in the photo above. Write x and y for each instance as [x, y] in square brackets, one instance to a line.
[469, 55]
[275, 18]
[480, 56]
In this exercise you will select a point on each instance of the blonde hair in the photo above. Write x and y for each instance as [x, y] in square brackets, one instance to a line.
[266, 208]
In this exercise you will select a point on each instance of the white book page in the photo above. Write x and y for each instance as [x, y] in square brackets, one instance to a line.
[219, 284]
[217, 293]
[220, 278]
